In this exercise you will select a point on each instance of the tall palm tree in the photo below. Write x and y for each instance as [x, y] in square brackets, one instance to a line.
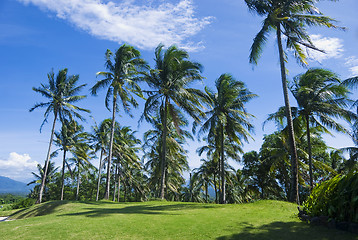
[121, 81]
[227, 119]
[171, 80]
[288, 18]
[321, 97]
[61, 91]
[66, 139]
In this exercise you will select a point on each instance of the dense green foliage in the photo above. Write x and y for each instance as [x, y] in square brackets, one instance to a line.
[336, 198]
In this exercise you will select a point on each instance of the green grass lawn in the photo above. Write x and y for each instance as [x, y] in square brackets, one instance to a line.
[163, 220]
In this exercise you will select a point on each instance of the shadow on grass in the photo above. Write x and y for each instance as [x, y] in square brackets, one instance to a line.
[169, 209]
[38, 210]
[290, 231]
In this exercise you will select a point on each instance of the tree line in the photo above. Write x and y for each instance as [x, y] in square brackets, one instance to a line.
[290, 162]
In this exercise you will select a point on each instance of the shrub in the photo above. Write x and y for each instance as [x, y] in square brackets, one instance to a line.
[27, 202]
[336, 198]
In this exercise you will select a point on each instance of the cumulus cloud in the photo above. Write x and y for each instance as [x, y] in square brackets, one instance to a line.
[352, 63]
[17, 167]
[144, 24]
[333, 48]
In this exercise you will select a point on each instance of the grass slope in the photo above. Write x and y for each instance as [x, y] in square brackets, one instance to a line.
[163, 220]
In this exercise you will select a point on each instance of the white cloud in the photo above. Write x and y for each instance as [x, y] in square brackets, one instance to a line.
[18, 167]
[144, 26]
[333, 48]
[352, 63]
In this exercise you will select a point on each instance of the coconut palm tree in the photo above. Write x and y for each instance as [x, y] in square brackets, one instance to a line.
[170, 81]
[228, 119]
[121, 82]
[321, 97]
[61, 91]
[40, 176]
[66, 139]
[100, 137]
[288, 18]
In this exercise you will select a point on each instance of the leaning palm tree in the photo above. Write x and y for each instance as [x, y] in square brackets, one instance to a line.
[288, 18]
[62, 93]
[170, 81]
[321, 99]
[121, 81]
[227, 119]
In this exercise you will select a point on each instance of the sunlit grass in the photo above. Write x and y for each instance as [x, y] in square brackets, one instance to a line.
[163, 220]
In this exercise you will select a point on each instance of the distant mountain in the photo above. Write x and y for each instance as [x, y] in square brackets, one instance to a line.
[8, 185]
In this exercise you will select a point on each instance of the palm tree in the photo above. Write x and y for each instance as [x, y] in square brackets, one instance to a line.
[320, 96]
[171, 81]
[228, 119]
[289, 18]
[100, 137]
[40, 176]
[67, 138]
[175, 158]
[121, 81]
[82, 153]
[62, 93]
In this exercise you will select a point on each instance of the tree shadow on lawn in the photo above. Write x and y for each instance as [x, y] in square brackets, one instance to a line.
[38, 210]
[289, 231]
[139, 209]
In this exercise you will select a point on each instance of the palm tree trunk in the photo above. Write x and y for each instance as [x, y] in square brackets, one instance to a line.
[39, 200]
[106, 195]
[216, 192]
[164, 150]
[99, 174]
[294, 197]
[115, 183]
[206, 192]
[119, 183]
[78, 180]
[222, 160]
[63, 174]
[309, 150]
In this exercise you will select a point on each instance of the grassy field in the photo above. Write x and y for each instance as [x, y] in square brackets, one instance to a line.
[163, 220]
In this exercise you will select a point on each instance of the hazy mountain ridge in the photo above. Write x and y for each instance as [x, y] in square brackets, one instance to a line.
[8, 185]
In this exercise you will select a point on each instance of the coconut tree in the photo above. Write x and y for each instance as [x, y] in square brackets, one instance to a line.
[321, 99]
[228, 119]
[61, 92]
[121, 82]
[290, 19]
[66, 139]
[40, 176]
[100, 137]
[170, 81]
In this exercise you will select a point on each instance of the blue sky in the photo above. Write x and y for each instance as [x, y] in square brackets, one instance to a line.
[38, 35]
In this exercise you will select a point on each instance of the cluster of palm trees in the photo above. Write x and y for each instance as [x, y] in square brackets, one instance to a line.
[220, 119]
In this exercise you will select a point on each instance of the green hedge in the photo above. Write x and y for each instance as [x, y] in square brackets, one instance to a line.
[336, 198]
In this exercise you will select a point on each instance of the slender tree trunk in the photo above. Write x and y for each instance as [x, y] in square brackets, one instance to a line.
[78, 180]
[206, 192]
[164, 150]
[294, 197]
[99, 174]
[63, 174]
[222, 160]
[309, 150]
[216, 192]
[119, 183]
[190, 188]
[115, 183]
[39, 200]
[106, 195]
